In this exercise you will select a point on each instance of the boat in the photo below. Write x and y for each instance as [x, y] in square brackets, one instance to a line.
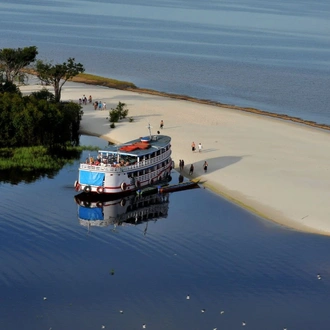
[178, 187]
[151, 189]
[123, 169]
[127, 210]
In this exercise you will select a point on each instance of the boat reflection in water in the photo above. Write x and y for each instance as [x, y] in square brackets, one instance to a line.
[130, 210]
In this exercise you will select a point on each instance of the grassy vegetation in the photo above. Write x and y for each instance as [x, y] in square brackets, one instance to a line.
[39, 157]
[27, 164]
[91, 79]
[101, 81]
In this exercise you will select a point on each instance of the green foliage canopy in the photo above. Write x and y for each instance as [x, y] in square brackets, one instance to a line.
[12, 61]
[33, 121]
[58, 74]
[120, 112]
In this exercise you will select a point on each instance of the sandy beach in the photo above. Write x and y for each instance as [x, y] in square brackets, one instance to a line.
[275, 168]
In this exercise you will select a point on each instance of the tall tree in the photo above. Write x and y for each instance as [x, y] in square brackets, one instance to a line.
[12, 61]
[58, 74]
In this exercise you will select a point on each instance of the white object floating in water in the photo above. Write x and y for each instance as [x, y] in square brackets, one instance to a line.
[243, 323]
[144, 326]
[103, 327]
[318, 276]
[121, 311]
[45, 298]
[222, 312]
[203, 310]
[188, 297]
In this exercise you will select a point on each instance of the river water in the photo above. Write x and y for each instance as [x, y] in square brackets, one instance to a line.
[57, 272]
[269, 55]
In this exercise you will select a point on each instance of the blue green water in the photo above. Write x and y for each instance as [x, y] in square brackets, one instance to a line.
[264, 54]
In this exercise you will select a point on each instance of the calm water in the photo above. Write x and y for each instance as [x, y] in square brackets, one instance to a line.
[222, 256]
[271, 55]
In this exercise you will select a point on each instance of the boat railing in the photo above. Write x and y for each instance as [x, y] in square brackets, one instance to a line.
[117, 169]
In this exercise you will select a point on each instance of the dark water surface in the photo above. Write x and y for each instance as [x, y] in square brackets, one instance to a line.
[221, 255]
[264, 54]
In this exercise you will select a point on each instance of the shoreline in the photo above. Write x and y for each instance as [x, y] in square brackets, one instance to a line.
[274, 168]
[132, 88]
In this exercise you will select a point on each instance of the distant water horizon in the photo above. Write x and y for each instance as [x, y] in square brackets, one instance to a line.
[270, 56]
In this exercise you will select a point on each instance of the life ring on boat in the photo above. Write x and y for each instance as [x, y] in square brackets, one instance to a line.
[123, 202]
[123, 186]
[137, 184]
[100, 190]
[99, 204]
[87, 203]
[87, 189]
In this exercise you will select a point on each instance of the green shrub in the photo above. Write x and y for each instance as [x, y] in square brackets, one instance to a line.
[120, 112]
[112, 125]
[130, 119]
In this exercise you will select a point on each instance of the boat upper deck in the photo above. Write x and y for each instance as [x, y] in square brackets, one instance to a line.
[144, 146]
[142, 152]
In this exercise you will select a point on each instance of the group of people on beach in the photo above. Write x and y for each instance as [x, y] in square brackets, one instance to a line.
[193, 147]
[84, 100]
[99, 105]
[191, 169]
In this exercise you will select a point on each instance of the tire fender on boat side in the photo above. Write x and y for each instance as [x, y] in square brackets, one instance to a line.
[123, 186]
[77, 187]
[123, 202]
[87, 203]
[100, 190]
[137, 184]
[87, 189]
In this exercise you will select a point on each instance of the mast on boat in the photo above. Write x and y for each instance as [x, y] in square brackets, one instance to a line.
[149, 128]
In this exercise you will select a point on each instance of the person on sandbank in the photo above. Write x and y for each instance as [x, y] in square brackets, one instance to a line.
[191, 171]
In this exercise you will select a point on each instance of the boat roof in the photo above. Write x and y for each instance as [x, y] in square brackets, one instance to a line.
[156, 142]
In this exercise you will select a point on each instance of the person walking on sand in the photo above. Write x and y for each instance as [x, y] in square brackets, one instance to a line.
[182, 164]
[191, 171]
[161, 124]
[200, 147]
[205, 166]
[193, 147]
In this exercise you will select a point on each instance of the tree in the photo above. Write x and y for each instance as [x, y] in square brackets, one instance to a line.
[12, 61]
[58, 74]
